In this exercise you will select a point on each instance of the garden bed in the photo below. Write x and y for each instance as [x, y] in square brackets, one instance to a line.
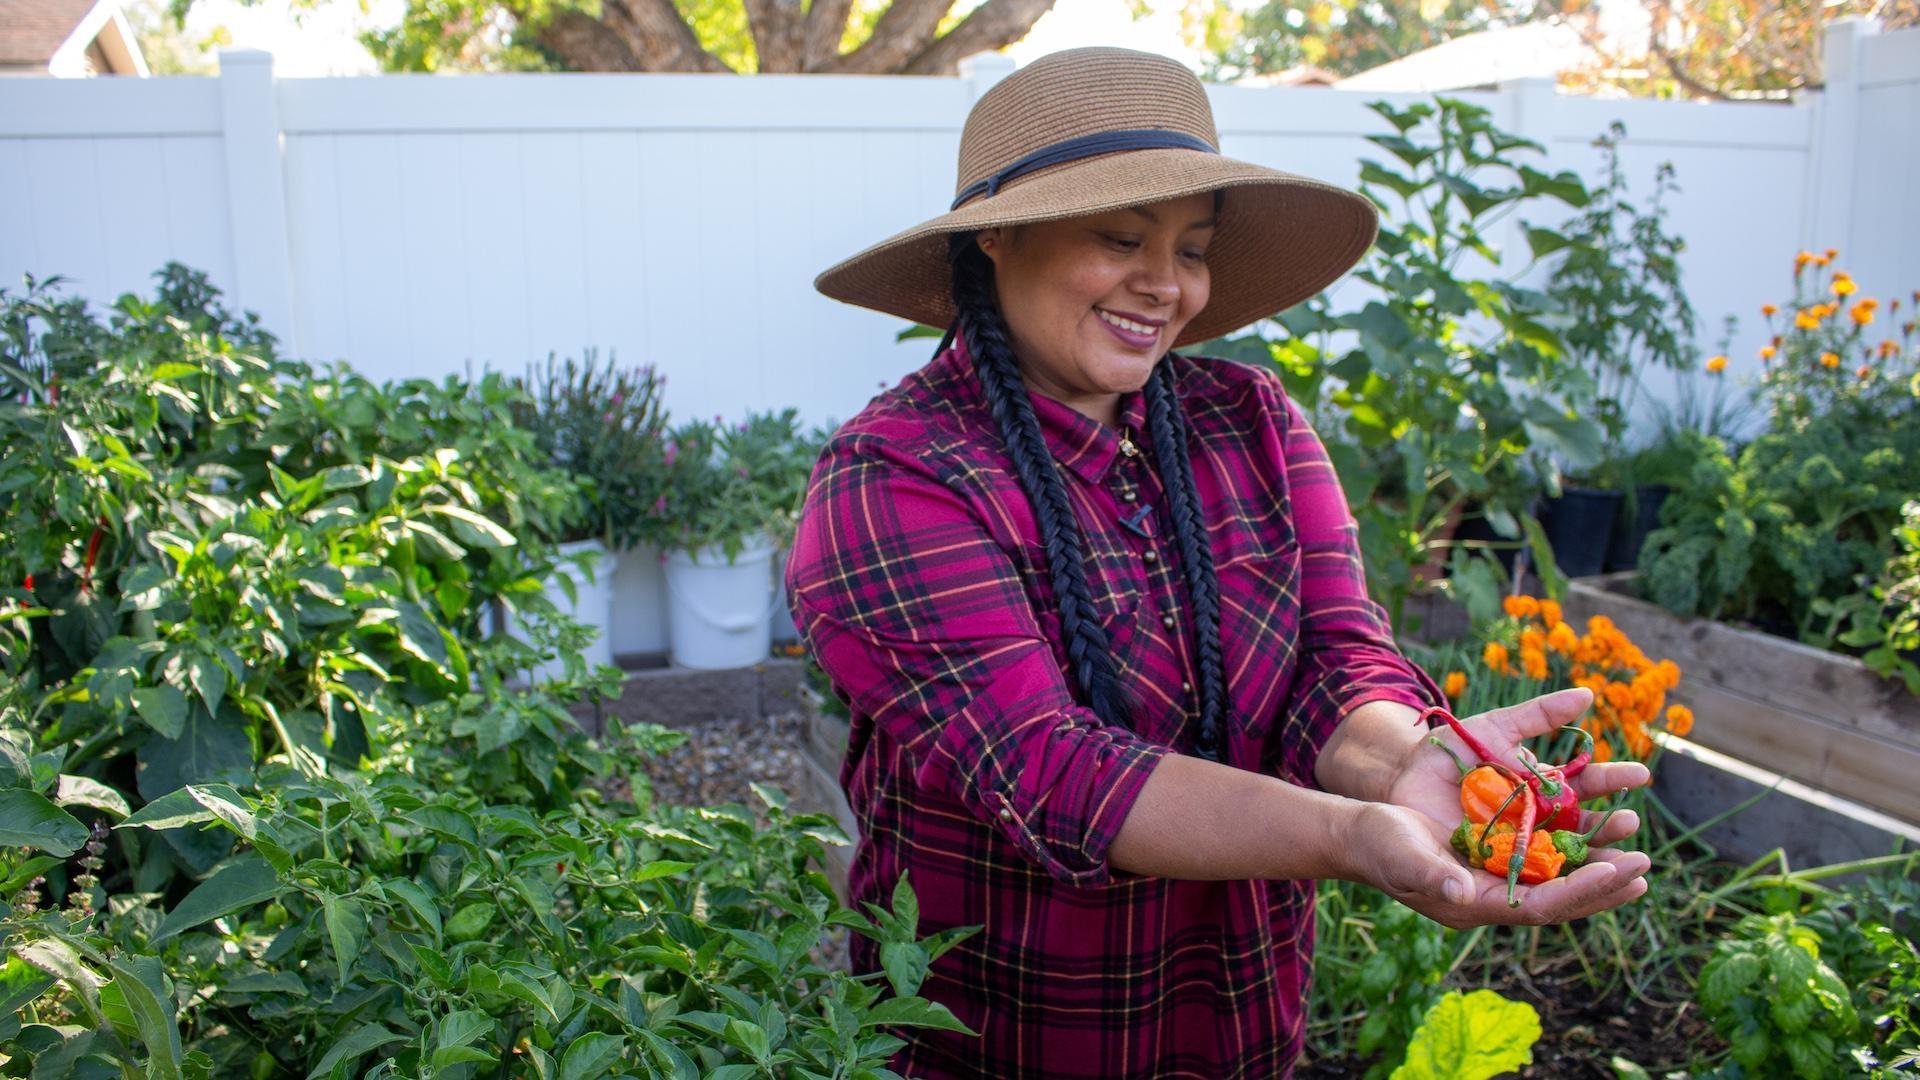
[1820, 718]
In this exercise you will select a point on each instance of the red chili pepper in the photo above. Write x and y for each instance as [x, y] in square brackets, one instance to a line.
[93, 550]
[29, 582]
[1521, 837]
[1551, 787]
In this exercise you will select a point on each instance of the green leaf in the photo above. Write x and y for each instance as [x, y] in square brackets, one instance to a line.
[417, 901]
[245, 881]
[1471, 1037]
[1624, 1069]
[914, 1012]
[86, 791]
[210, 680]
[362, 1039]
[143, 984]
[1545, 242]
[470, 921]
[226, 804]
[906, 966]
[459, 1055]
[170, 811]
[477, 530]
[590, 1056]
[420, 636]
[346, 928]
[29, 818]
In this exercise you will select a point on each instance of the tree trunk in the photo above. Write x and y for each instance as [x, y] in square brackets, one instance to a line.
[826, 25]
[584, 43]
[779, 30]
[660, 38]
[903, 30]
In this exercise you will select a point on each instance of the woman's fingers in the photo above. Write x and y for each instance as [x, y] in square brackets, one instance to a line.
[1610, 879]
[1600, 780]
[1617, 828]
[1537, 716]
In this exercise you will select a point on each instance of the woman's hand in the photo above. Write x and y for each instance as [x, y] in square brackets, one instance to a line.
[1402, 847]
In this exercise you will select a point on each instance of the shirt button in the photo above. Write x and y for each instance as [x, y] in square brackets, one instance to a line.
[1006, 813]
[1129, 495]
[1149, 556]
[1167, 621]
[1186, 687]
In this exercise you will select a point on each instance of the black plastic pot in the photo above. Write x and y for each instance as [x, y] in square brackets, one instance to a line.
[1630, 530]
[1579, 525]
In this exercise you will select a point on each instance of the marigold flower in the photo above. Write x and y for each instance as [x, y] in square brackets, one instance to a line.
[1550, 613]
[1766, 352]
[1562, 639]
[1534, 662]
[1822, 260]
[1602, 750]
[1679, 719]
[1807, 320]
[1495, 657]
[1599, 624]
[1456, 684]
[1864, 371]
[1716, 364]
[1639, 743]
[1802, 259]
[1520, 607]
[1842, 283]
[1831, 360]
[1888, 348]
[1768, 310]
[1833, 253]
[1862, 312]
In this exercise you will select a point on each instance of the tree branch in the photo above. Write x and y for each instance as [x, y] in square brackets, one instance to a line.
[993, 25]
[826, 25]
[660, 38]
[779, 30]
[903, 30]
[584, 43]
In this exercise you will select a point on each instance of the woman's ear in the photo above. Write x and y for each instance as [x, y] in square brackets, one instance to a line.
[990, 242]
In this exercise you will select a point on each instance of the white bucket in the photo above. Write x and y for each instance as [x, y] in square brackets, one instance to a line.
[785, 628]
[593, 606]
[719, 615]
[639, 601]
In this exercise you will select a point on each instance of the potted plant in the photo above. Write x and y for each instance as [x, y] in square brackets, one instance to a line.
[779, 459]
[583, 418]
[1618, 279]
[726, 509]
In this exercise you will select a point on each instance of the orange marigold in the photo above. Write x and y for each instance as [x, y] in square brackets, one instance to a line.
[1843, 284]
[1521, 607]
[1456, 684]
[1602, 749]
[1864, 372]
[1888, 348]
[1831, 360]
[1766, 352]
[1807, 320]
[1534, 662]
[1679, 719]
[1562, 639]
[1768, 310]
[1802, 259]
[1550, 613]
[1716, 364]
[1495, 657]
[1862, 312]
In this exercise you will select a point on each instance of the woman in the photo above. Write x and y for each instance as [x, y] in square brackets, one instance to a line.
[1118, 693]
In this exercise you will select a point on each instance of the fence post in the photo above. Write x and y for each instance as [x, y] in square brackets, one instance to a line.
[256, 193]
[1836, 135]
[982, 70]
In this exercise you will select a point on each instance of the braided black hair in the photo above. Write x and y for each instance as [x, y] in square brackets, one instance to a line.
[1087, 647]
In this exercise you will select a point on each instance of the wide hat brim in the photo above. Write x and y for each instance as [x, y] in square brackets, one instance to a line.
[1281, 237]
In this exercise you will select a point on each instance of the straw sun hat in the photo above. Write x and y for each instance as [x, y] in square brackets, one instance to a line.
[1086, 131]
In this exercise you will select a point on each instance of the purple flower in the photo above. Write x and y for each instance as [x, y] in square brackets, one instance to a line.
[618, 397]
[742, 426]
[672, 453]
[660, 505]
[743, 472]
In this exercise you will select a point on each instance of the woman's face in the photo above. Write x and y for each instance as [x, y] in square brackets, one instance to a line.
[1093, 302]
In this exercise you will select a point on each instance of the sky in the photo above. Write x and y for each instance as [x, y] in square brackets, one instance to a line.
[324, 44]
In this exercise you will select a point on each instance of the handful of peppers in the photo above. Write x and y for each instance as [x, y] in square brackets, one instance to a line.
[1519, 827]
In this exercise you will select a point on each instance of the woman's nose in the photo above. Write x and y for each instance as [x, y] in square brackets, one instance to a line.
[1155, 278]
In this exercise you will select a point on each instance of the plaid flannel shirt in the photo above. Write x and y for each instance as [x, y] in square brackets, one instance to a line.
[921, 587]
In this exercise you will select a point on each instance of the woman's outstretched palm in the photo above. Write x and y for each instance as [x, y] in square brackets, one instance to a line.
[1429, 785]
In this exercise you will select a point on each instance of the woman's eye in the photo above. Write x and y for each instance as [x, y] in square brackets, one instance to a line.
[1196, 256]
[1122, 243]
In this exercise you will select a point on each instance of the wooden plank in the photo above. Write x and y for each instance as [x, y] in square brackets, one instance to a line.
[1758, 666]
[1824, 755]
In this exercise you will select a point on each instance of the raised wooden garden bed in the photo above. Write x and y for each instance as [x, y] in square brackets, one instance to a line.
[1822, 719]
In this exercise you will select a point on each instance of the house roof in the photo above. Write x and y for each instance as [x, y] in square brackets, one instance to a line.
[31, 31]
[1528, 51]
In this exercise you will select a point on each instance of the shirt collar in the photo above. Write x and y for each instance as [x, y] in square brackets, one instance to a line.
[1078, 441]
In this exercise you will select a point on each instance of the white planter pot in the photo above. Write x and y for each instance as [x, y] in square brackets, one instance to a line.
[639, 601]
[719, 615]
[593, 605]
[785, 627]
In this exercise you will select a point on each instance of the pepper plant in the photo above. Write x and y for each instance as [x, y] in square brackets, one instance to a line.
[1436, 390]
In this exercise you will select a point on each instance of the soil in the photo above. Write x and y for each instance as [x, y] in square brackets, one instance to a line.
[1581, 1035]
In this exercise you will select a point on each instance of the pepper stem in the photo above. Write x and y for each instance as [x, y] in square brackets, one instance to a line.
[1457, 763]
[1580, 760]
[1528, 810]
[1549, 787]
[1502, 808]
[1479, 748]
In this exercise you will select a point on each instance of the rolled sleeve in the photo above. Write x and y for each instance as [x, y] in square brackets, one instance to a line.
[1348, 656]
[921, 619]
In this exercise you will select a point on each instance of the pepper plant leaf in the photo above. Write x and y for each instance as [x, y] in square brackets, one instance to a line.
[1471, 1037]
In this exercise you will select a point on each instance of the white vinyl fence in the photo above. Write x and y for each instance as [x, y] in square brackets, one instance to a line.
[415, 225]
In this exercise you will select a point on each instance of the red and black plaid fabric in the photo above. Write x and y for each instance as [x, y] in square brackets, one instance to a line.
[922, 589]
